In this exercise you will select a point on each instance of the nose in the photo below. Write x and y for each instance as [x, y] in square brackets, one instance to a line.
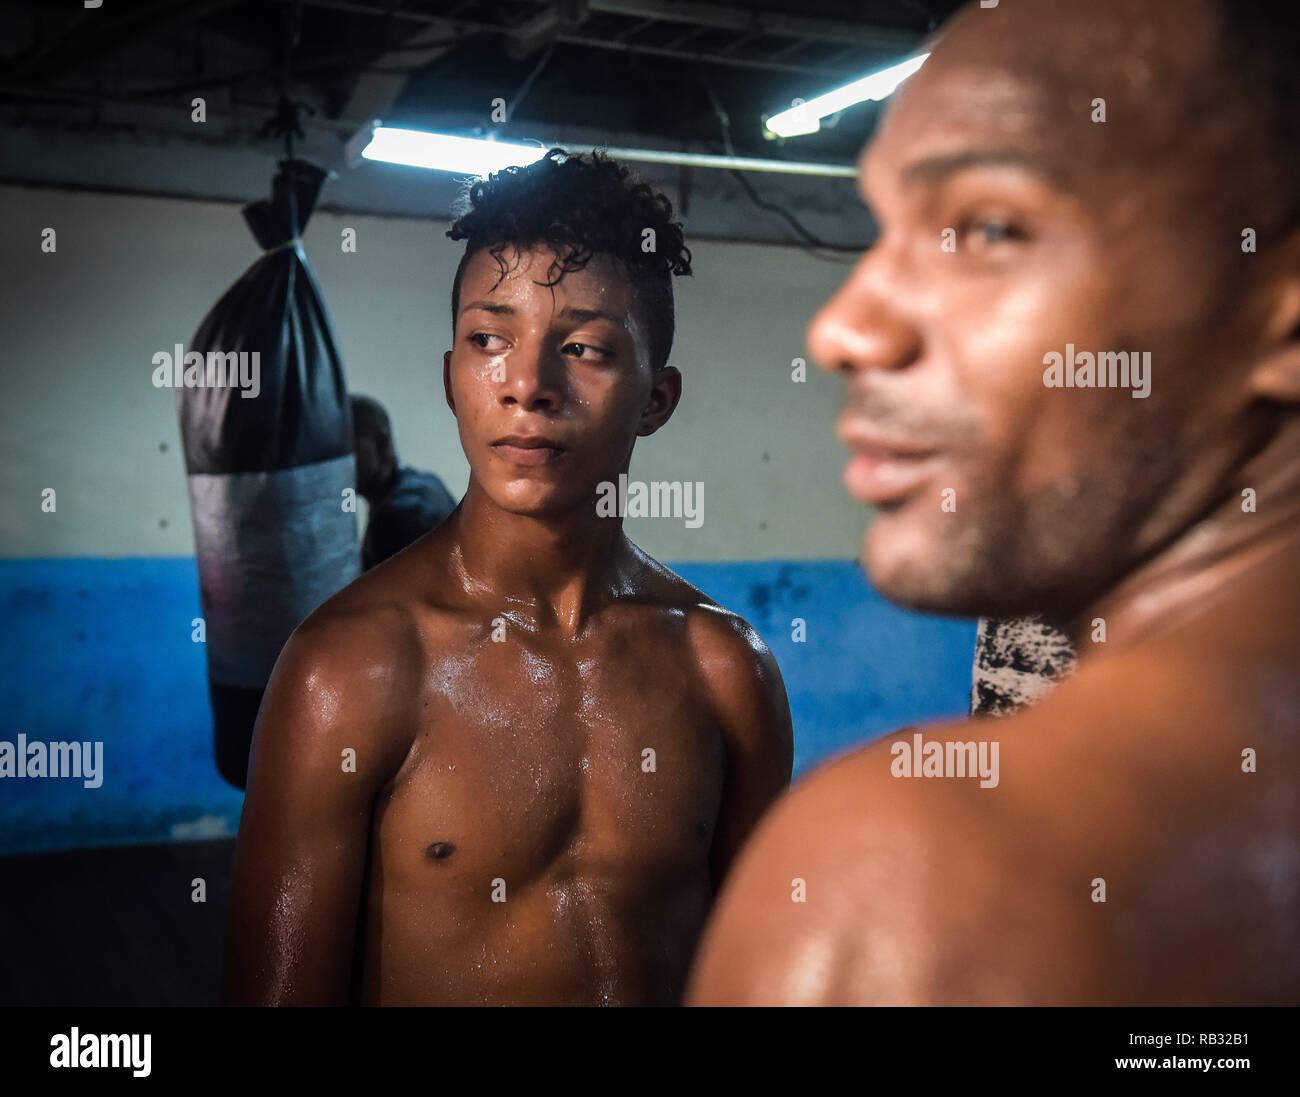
[863, 326]
[534, 378]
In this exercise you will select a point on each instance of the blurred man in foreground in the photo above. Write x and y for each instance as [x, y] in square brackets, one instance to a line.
[1111, 177]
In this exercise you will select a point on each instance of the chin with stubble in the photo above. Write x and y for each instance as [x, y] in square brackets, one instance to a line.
[1008, 543]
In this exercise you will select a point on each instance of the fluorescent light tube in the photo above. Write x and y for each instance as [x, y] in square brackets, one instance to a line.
[480, 157]
[442, 152]
[806, 117]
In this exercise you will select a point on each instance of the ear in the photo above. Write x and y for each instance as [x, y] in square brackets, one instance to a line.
[1276, 374]
[446, 380]
[1278, 377]
[665, 392]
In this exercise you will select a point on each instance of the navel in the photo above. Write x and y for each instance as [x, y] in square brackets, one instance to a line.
[440, 851]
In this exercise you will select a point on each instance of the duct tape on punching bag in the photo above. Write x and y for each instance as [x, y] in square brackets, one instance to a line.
[268, 452]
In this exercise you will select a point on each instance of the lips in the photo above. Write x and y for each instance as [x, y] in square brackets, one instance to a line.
[528, 449]
[884, 470]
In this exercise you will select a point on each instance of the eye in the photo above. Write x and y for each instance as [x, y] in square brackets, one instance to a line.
[483, 340]
[585, 351]
[982, 233]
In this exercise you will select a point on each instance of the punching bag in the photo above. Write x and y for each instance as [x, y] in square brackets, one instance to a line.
[269, 461]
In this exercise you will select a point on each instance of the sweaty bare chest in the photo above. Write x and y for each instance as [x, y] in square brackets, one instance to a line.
[529, 763]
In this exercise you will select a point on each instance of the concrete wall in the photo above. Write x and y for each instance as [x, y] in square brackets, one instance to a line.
[133, 276]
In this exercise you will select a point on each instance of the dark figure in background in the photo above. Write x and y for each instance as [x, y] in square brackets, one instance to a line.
[405, 502]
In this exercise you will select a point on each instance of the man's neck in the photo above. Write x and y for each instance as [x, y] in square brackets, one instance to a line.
[1210, 558]
[551, 572]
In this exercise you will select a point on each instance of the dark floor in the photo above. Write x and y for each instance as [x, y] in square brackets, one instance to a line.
[114, 926]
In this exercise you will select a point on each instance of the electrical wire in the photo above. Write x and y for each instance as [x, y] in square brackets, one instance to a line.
[807, 240]
[527, 85]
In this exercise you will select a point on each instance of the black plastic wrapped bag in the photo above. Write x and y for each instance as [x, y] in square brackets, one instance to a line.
[268, 462]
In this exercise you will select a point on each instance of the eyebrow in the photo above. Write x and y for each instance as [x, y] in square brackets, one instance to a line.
[569, 312]
[936, 169]
[585, 315]
[490, 306]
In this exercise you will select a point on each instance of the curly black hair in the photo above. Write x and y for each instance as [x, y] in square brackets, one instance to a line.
[580, 206]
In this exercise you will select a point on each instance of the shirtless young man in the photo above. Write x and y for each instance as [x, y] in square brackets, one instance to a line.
[511, 764]
[1141, 843]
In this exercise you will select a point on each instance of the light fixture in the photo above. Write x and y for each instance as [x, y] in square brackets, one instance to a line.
[805, 118]
[480, 157]
[440, 151]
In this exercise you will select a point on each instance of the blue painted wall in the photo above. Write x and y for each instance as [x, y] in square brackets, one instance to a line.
[100, 649]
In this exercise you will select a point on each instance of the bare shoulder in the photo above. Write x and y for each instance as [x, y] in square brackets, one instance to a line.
[728, 649]
[730, 660]
[809, 889]
[382, 625]
[1086, 871]
[345, 679]
[868, 885]
[723, 641]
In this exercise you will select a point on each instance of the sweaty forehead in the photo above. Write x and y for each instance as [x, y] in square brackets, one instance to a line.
[1026, 74]
[600, 285]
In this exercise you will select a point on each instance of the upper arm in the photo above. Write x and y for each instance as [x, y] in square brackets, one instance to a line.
[749, 699]
[322, 748]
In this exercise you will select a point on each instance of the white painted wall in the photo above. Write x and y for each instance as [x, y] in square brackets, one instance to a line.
[135, 275]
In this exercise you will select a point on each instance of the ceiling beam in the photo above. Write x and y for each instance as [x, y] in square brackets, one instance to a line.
[374, 94]
[776, 24]
[95, 37]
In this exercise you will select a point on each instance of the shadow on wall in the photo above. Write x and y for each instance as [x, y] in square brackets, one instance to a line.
[101, 650]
